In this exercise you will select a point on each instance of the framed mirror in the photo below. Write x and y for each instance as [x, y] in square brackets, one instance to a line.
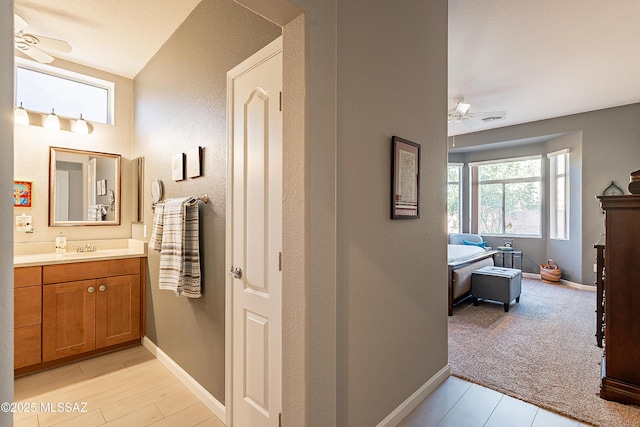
[84, 187]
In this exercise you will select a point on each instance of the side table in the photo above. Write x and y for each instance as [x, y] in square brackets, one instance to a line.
[508, 259]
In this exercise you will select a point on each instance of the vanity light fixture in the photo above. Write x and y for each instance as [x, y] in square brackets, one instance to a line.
[20, 116]
[80, 126]
[52, 121]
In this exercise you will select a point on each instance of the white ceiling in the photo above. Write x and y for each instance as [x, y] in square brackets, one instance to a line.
[534, 59]
[543, 58]
[118, 36]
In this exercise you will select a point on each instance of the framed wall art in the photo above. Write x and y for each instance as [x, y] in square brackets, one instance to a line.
[405, 179]
[22, 194]
[177, 167]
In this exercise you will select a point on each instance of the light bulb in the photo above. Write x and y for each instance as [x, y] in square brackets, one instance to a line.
[52, 122]
[20, 116]
[80, 126]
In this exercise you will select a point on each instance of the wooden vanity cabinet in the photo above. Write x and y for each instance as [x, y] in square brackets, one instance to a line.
[27, 303]
[90, 305]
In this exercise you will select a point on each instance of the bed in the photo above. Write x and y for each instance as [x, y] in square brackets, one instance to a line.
[463, 260]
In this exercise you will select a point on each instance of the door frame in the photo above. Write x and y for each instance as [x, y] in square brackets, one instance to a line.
[254, 60]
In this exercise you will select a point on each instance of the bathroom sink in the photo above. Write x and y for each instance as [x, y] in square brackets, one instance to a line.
[92, 254]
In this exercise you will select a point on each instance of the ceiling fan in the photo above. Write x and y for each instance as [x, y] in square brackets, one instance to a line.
[33, 44]
[461, 114]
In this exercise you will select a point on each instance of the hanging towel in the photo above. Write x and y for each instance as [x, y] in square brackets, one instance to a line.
[93, 213]
[179, 248]
[155, 242]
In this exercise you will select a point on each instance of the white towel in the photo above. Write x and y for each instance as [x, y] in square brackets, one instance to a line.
[179, 247]
[155, 242]
[93, 213]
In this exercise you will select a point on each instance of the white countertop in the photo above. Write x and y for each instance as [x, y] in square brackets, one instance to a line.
[28, 254]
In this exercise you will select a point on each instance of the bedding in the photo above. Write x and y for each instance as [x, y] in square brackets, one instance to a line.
[459, 253]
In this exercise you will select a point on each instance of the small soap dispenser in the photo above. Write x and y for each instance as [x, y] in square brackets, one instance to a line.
[61, 244]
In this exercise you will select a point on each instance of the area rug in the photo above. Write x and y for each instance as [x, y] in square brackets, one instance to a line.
[542, 351]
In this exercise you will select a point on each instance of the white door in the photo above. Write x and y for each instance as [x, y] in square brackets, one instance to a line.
[255, 238]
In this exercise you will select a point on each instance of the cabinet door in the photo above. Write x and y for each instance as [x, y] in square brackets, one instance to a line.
[26, 342]
[117, 310]
[68, 326]
[27, 306]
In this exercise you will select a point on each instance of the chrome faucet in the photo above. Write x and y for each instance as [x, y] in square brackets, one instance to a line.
[79, 249]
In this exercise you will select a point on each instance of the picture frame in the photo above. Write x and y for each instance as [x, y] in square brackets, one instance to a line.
[22, 193]
[194, 162]
[177, 167]
[405, 179]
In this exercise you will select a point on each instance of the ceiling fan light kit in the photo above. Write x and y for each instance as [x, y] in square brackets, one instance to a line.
[461, 114]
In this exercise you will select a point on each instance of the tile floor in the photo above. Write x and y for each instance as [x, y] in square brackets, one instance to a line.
[458, 403]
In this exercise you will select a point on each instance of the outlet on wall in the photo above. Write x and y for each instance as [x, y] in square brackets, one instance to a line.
[595, 268]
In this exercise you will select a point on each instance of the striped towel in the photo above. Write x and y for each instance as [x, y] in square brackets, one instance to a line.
[155, 242]
[176, 233]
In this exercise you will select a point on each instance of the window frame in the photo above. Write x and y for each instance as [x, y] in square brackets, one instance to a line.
[459, 183]
[475, 185]
[67, 75]
[554, 178]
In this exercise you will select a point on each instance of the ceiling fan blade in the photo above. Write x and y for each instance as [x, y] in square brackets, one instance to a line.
[53, 44]
[489, 115]
[34, 53]
[19, 24]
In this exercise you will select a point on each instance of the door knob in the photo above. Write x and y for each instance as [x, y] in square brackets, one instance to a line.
[102, 288]
[91, 289]
[236, 273]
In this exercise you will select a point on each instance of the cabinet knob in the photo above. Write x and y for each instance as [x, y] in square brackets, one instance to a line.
[91, 289]
[102, 288]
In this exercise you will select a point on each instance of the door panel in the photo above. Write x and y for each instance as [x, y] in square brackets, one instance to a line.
[117, 310]
[256, 238]
[68, 324]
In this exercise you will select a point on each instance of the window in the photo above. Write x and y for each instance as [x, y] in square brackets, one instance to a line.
[506, 197]
[454, 208]
[559, 194]
[41, 87]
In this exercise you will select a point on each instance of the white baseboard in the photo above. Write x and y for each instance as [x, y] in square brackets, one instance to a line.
[205, 397]
[564, 282]
[401, 412]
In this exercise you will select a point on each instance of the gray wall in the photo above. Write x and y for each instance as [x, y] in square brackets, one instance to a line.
[6, 209]
[391, 313]
[537, 250]
[610, 151]
[180, 103]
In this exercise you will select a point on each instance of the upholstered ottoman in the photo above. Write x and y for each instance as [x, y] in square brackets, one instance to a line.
[496, 284]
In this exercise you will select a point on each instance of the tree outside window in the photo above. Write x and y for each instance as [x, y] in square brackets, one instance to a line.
[454, 208]
[508, 197]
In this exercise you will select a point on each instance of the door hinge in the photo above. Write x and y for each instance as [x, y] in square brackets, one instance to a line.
[279, 261]
[280, 100]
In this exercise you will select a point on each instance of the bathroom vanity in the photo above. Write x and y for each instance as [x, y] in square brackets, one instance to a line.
[76, 305]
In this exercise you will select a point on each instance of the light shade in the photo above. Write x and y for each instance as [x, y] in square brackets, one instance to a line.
[20, 116]
[80, 126]
[52, 122]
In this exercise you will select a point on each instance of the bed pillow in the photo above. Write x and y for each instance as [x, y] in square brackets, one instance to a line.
[478, 244]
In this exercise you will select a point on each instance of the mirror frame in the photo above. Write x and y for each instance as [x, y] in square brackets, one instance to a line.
[52, 187]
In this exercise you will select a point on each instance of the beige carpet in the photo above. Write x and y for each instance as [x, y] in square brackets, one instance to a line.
[543, 351]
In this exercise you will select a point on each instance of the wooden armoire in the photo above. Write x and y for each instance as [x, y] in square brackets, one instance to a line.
[621, 359]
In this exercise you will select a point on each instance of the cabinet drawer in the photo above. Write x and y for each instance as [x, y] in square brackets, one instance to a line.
[27, 346]
[27, 306]
[59, 273]
[27, 276]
